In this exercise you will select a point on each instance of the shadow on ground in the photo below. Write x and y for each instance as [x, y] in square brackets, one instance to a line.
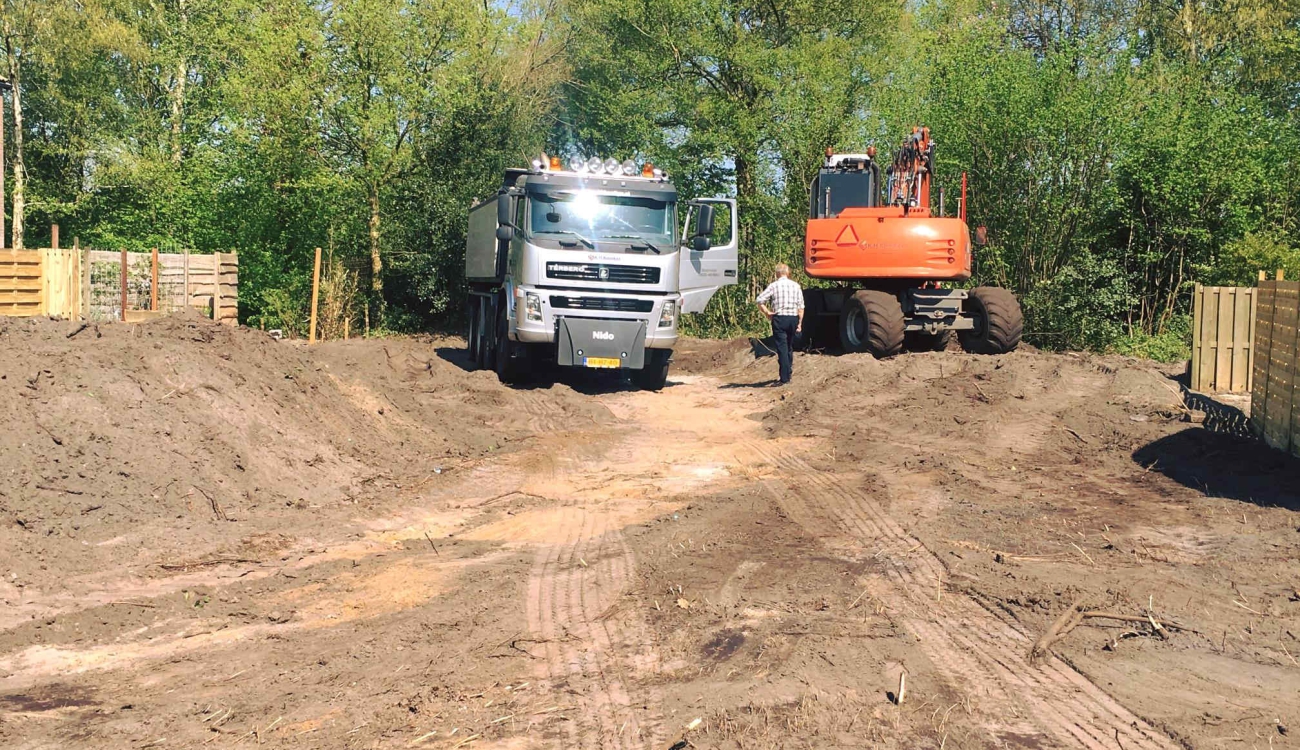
[585, 381]
[1225, 465]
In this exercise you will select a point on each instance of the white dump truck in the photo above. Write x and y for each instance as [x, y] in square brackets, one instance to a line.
[591, 266]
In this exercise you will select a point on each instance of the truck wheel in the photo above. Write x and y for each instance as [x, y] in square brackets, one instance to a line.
[998, 321]
[486, 341]
[872, 321]
[917, 341]
[654, 375]
[472, 344]
[509, 354]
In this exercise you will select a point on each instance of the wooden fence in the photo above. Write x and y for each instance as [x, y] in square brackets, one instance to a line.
[41, 282]
[1223, 332]
[182, 280]
[79, 283]
[1275, 399]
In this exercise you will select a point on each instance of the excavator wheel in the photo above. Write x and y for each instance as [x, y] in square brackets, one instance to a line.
[811, 339]
[872, 321]
[998, 321]
[917, 341]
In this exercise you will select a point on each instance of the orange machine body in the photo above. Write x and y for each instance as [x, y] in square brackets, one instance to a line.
[887, 242]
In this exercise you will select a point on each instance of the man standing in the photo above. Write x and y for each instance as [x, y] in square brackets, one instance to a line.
[782, 303]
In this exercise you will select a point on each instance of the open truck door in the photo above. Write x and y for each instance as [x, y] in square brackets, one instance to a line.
[709, 254]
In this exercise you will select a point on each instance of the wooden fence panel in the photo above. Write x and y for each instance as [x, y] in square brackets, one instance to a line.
[1275, 401]
[61, 282]
[1264, 309]
[177, 273]
[1222, 350]
[20, 282]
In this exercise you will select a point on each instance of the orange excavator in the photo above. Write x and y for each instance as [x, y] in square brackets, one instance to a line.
[897, 263]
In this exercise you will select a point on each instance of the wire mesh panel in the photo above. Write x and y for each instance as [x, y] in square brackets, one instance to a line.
[180, 280]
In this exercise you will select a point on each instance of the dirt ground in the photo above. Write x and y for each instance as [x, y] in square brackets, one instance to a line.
[211, 538]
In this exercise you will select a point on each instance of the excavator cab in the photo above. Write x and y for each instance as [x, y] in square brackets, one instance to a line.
[845, 181]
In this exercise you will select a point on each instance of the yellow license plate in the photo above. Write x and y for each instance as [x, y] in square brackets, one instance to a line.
[606, 362]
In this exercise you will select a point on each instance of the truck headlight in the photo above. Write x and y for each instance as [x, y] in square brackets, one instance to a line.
[668, 314]
[532, 307]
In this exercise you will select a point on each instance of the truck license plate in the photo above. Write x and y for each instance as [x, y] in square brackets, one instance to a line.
[603, 362]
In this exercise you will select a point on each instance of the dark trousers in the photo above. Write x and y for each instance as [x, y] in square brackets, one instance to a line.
[783, 330]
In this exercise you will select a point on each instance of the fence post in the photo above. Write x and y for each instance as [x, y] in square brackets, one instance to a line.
[83, 257]
[153, 279]
[124, 264]
[216, 287]
[1281, 275]
[315, 289]
[54, 236]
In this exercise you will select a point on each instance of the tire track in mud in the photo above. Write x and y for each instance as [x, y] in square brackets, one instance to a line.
[593, 651]
[983, 655]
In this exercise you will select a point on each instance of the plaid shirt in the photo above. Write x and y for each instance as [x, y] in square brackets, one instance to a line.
[783, 296]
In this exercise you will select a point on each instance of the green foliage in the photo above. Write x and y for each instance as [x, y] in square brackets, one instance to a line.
[1118, 153]
[1170, 345]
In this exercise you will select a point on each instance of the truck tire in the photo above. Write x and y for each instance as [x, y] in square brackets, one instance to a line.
[918, 341]
[998, 321]
[653, 376]
[509, 354]
[872, 321]
[486, 359]
[472, 343]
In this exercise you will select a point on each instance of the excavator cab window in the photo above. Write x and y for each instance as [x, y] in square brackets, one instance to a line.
[835, 190]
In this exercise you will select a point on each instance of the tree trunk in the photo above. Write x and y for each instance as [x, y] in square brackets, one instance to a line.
[178, 91]
[376, 262]
[178, 109]
[20, 171]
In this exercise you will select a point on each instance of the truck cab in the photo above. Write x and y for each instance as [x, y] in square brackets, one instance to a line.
[591, 266]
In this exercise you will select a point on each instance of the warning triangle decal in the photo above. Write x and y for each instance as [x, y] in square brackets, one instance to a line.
[847, 236]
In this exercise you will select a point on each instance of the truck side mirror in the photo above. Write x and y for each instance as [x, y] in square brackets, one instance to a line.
[503, 210]
[505, 227]
[700, 243]
[703, 221]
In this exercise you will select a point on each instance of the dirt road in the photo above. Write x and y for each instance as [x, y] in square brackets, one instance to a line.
[441, 562]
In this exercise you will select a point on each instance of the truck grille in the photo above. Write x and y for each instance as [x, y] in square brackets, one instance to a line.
[602, 272]
[604, 304]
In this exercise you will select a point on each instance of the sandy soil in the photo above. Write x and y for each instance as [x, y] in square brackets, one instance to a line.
[212, 538]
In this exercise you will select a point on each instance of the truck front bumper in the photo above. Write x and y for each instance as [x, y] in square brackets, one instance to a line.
[580, 305]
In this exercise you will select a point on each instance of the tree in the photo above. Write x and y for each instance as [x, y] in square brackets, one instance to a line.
[735, 96]
[380, 75]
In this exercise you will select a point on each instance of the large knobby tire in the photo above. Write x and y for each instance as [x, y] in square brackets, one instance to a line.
[653, 376]
[509, 354]
[918, 341]
[998, 321]
[814, 305]
[872, 321]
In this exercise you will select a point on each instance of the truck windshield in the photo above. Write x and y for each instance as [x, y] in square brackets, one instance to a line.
[603, 216]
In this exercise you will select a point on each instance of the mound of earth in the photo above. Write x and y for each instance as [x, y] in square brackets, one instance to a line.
[132, 444]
